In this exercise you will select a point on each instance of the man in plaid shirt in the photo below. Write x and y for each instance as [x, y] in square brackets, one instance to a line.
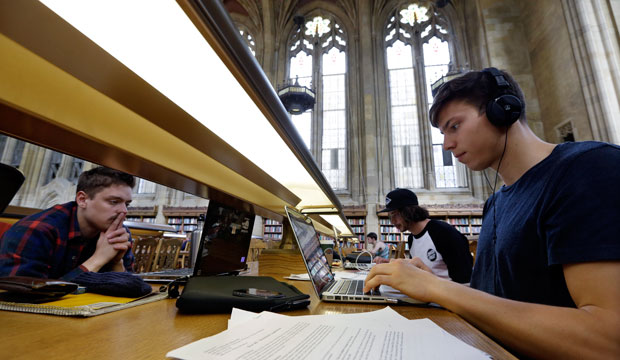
[85, 235]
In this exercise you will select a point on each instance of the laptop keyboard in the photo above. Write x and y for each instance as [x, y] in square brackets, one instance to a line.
[349, 287]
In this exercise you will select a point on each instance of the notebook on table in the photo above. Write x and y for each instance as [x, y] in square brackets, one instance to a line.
[223, 247]
[323, 281]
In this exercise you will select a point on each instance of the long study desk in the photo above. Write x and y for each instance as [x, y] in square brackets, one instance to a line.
[149, 331]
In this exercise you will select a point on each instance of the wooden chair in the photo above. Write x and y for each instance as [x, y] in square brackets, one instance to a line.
[183, 258]
[144, 250]
[347, 250]
[167, 254]
[473, 247]
[400, 250]
[256, 247]
[392, 254]
[329, 255]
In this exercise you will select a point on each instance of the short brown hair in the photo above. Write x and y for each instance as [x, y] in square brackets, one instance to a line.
[476, 88]
[96, 179]
[413, 213]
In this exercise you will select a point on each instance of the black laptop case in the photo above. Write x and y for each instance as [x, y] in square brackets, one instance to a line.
[214, 294]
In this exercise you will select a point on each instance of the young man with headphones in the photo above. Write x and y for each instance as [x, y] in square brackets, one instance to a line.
[546, 282]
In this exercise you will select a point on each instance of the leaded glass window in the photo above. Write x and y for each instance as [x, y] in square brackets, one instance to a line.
[317, 59]
[76, 169]
[18, 152]
[146, 187]
[3, 139]
[417, 45]
[54, 167]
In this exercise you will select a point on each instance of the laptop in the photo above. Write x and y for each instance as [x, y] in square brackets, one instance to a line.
[326, 286]
[223, 246]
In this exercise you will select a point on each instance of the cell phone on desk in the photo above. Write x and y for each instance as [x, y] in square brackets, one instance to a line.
[258, 293]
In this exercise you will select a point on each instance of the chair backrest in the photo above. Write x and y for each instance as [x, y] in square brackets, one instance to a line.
[329, 255]
[400, 250]
[144, 250]
[392, 254]
[11, 179]
[347, 250]
[167, 254]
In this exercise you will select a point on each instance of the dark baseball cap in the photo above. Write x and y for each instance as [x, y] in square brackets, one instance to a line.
[398, 199]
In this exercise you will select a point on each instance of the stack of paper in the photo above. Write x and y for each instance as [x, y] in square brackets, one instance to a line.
[358, 275]
[382, 334]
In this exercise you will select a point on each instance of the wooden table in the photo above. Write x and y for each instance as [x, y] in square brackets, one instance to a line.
[150, 331]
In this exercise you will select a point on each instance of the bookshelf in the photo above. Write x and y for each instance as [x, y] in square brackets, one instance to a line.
[388, 232]
[326, 241]
[146, 214]
[272, 229]
[467, 219]
[146, 219]
[356, 217]
[183, 223]
[184, 220]
[358, 225]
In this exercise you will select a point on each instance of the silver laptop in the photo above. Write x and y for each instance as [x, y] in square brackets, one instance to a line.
[325, 285]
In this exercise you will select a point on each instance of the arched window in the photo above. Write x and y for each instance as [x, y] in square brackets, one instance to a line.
[18, 152]
[2, 143]
[317, 59]
[145, 186]
[54, 167]
[76, 169]
[417, 55]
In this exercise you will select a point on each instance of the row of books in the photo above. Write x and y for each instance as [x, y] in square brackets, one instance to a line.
[274, 236]
[356, 221]
[185, 220]
[388, 229]
[273, 229]
[391, 237]
[150, 220]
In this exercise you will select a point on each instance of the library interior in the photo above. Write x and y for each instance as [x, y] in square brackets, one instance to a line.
[321, 106]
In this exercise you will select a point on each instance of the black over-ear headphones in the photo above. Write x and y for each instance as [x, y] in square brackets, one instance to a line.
[505, 108]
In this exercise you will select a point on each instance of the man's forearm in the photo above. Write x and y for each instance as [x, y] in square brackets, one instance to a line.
[540, 331]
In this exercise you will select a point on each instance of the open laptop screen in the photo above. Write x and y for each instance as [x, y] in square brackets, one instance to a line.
[225, 240]
[311, 250]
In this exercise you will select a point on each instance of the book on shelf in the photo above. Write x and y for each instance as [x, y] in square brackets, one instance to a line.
[82, 305]
[273, 236]
[356, 221]
[190, 227]
[273, 229]
[391, 237]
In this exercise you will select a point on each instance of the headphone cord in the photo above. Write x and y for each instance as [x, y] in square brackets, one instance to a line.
[495, 267]
[358, 265]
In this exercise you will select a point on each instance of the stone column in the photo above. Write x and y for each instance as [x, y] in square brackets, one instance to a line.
[368, 122]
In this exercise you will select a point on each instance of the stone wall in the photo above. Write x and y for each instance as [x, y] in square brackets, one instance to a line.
[508, 50]
[554, 69]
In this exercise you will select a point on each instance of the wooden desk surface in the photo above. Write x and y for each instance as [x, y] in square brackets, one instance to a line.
[149, 331]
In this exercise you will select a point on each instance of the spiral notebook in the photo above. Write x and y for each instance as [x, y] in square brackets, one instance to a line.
[82, 305]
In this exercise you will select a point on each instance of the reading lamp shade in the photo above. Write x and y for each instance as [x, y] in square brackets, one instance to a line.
[296, 99]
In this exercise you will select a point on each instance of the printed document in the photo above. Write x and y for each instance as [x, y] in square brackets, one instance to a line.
[382, 334]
